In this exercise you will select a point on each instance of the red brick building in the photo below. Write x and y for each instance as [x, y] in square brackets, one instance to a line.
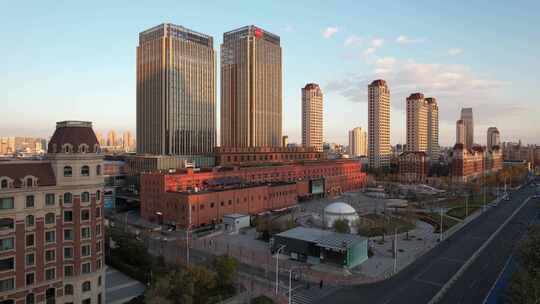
[413, 167]
[258, 155]
[211, 193]
[51, 222]
[470, 164]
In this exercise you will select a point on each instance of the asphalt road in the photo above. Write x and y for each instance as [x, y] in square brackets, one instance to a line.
[423, 279]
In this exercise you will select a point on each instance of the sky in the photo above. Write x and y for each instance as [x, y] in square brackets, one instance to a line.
[66, 60]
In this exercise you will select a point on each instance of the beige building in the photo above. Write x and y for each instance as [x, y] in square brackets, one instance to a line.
[127, 141]
[284, 141]
[112, 139]
[7, 145]
[51, 222]
[467, 118]
[379, 149]
[312, 116]
[358, 142]
[493, 138]
[251, 88]
[417, 123]
[460, 132]
[176, 102]
[433, 129]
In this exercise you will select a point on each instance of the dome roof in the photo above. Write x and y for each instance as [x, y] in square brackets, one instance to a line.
[74, 133]
[339, 208]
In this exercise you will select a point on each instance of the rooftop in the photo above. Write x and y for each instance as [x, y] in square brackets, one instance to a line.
[323, 238]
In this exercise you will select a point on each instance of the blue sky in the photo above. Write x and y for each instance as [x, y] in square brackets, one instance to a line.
[76, 60]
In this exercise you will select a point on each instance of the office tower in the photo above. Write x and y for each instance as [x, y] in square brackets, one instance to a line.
[358, 142]
[379, 149]
[433, 129]
[251, 86]
[111, 138]
[284, 141]
[176, 102]
[52, 223]
[467, 117]
[460, 132]
[312, 116]
[493, 138]
[417, 123]
[127, 141]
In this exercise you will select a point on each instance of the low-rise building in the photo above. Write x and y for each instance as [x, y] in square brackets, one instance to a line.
[226, 156]
[467, 164]
[413, 167]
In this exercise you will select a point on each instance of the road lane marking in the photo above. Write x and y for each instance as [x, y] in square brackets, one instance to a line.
[452, 260]
[429, 282]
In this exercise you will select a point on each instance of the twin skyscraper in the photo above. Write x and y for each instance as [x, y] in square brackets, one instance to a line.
[176, 85]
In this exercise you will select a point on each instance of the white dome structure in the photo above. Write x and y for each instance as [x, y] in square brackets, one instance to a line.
[339, 211]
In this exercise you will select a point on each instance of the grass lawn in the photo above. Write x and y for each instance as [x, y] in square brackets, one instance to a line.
[460, 212]
[379, 224]
[435, 220]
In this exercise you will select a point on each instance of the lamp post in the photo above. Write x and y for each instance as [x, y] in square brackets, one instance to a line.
[290, 284]
[277, 267]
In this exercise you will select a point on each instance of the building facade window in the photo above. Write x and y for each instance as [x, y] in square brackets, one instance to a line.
[86, 286]
[7, 203]
[68, 198]
[98, 170]
[68, 253]
[49, 199]
[7, 284]
[68, 289]
[85, 197]
[30, 221]
[68, 234]
[68, 271]
[50, 236]
[85, 233]
[85, 250]
[50, 274]
[4, 184]
[30, 298]
[85, 171]
[86, 268]
[30, 240]
[30, 278]
[50, 255]
[29, 203]
[30, 259]
[98, 196]
[50, 218]
[85, 215]
[7, 264]
[6, 244]
[68, 216]
[68, 171]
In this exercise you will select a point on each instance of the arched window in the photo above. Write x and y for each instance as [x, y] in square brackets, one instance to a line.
[4, 184]
[85, 197]
[30, 298]
[29, 182]
[30, 221]
[98, 196]
[83, 148]
[85, 171]
[6, 224]
[67, 198]
[68, 171]
[68, 289]
[50, 218]
[67, 148]
[86, 286]
[98, 170]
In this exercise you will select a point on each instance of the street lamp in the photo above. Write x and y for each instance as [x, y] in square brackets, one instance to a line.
[290, 284]
[277, 267]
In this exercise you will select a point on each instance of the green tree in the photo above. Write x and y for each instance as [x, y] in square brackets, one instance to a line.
[525, 284]
[225, 267]
[262, 300]
[342, 226]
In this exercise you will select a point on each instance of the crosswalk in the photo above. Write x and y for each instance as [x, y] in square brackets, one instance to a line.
[307, 296]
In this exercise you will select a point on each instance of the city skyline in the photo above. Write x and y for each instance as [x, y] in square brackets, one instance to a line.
[341, 54]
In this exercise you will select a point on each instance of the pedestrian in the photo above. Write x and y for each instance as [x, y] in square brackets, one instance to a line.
[320, 284]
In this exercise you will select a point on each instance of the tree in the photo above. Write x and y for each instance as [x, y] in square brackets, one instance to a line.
[225, 267]
[262, 300]
[342, 226]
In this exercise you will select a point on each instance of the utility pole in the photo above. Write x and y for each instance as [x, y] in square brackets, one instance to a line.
[466, 206]
[277, 267]
[395, 251]
[441, 230]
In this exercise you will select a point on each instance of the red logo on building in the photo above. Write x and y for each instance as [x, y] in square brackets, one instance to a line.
[258, 33]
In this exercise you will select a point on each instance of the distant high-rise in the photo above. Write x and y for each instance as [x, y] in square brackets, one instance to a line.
[284, 141]
[433, 128]
[251, 88]
[379, 149]
[493, 138]
[460, 132]
[358, 142]
[417, 123]
[176, 102]
[467, 117]
[111, 138]
[127, 141]
[312, 116]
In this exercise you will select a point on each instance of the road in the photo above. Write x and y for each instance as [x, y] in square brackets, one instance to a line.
[421, 281]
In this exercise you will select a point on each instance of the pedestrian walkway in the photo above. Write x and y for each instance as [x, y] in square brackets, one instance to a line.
[308, 296]
[120, 288]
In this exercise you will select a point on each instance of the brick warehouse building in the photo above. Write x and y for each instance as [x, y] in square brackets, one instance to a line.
[51, 224]
[413, 167]
[467, 165]
[212, 193]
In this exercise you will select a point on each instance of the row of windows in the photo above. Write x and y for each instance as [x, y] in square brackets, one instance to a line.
[85, 171]
[50, 200]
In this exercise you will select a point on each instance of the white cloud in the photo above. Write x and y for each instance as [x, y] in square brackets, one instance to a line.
[455, 51]
[385, 62]
[330, 31]
[402, 39]
[370, 50]
[352, 40]
[376, 43]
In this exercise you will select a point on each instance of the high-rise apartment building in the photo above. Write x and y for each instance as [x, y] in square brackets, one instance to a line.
[358, 142]
[127, 141]
[52, 222]
[460, 132]
[467, 117]
[379, 149]
[433, 129]
[284, 141]
[312, 116]
[112, 139]
[176, 102]
[493, 138]
[417, 123]
[251, 88]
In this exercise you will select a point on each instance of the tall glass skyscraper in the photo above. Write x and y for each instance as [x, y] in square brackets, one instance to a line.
[176, 102]
[251, 88]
